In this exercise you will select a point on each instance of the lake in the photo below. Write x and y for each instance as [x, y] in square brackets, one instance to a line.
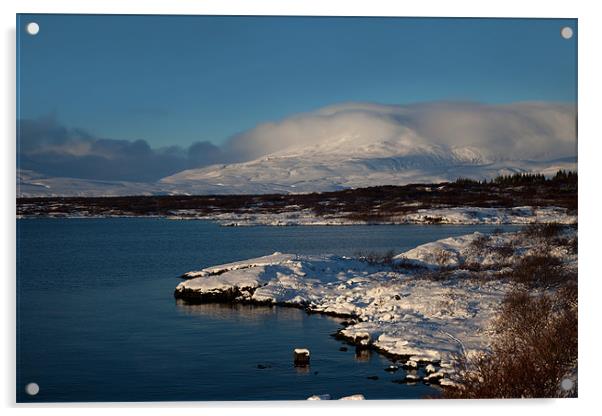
[97, 320]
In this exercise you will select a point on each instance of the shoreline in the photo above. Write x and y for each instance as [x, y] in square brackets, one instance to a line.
[426, 306]
[436, 216]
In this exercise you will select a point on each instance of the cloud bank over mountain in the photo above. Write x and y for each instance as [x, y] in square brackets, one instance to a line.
[529, 130]
[536, 131]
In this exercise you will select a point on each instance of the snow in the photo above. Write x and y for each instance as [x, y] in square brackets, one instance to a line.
[319, 397]
[424, 319]
[302, 351]
[275, 258]
[476, 215]
[343, 163]
[337, 164]
[453, 215]
[354, 397]
[328, 397]
[396, 310]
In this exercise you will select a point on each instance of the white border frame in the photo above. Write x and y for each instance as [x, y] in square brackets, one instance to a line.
[590, 68]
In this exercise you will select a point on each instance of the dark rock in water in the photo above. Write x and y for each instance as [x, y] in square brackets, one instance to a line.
[410, 365]
[343, 349]
[263, 366]
[372, 377]
[391, 369]
[315, 373]
[301, 357]
[434, 378]
[408, 379]
[362, 340]
[218, 296]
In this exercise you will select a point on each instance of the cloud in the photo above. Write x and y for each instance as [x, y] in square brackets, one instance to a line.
[47, 147]
[527, 130]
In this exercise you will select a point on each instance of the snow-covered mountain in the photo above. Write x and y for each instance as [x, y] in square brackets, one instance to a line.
[356, 145]
[300, 172]
[319, 169]
[34, 184]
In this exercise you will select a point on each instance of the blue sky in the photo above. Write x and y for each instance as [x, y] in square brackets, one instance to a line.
[177, 80]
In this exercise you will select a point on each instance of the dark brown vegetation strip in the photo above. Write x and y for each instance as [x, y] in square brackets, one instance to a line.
[365, 204]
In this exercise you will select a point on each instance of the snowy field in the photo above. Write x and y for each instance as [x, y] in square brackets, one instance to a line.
[456, 215]
[422, 307]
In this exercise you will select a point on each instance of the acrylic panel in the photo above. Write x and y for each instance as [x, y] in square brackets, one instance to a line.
[295, 208]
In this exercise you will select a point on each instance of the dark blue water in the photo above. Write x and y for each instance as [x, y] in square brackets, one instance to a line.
[97, 320]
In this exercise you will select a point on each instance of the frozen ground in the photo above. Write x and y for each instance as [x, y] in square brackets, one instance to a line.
[423, 306]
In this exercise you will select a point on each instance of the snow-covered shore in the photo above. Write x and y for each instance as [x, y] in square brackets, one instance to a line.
[454, 215]
[401, 307]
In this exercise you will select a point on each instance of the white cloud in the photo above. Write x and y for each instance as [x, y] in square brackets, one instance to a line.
[525, 130]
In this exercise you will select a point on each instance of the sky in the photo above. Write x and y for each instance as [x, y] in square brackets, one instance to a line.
[108, 96]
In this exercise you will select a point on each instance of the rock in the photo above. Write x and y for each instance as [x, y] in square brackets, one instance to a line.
[263, 366]
[391, 368]
[301, 357]
[449, 383]
[408, 379]
[354, 397]
[319, 397]
[372, 377]
[343, 349]
[434, 378]
[430, 369]
[227, 295]
[362, 339]
[410, 365]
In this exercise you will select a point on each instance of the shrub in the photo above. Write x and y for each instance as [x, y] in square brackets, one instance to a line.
[442, 257]
[539, 270]
[535, 347]
[504, 251]
[433, 220]
[545, 231]
[374, 258]
[479, 243]
[573, 245]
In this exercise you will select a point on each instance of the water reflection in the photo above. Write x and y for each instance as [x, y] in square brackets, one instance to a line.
[305, 369]
[362, 355]
[245, 312]
[236, 311]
